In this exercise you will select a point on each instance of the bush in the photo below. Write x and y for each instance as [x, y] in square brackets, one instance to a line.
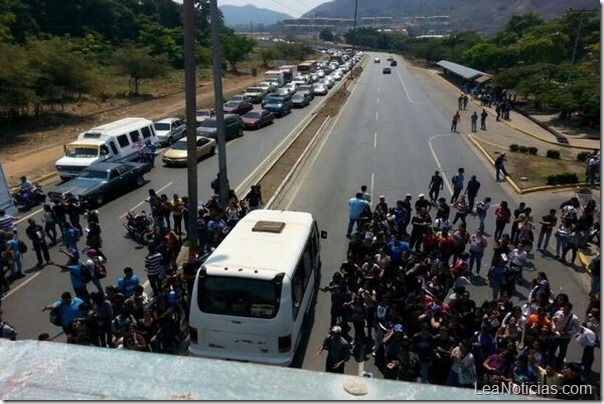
[522, 149]
[582, 156]
[562, 179]
[533, 150]
[514, 147]
[553, 154]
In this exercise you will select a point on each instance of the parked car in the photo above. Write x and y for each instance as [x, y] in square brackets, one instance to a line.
[169, 130]
[258, 118]
[233, 127]
[203, 114]
[280, 106]
[300, 99]
[177, 155]
[386, 70]
[320, 89]
[97, 183]
[255, 94]
[237, 107]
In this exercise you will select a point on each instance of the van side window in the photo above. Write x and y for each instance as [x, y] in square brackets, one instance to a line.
[104, 150]
[113, 148]
[135, 136]
[301, 278]
[122, 140]
[146, 132]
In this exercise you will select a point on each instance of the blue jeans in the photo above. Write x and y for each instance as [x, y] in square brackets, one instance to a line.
[560, 244]
[351, 223]
[16, 266]
[461, 217]
[544, 234]
[481, 217]
[475, 256]
[97, 282]
[595, 285]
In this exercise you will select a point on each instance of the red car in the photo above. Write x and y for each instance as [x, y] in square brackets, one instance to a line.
[237, 107]
[257, 119]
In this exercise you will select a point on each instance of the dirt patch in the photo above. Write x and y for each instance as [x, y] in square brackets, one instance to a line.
[275, 176]
[535, 169]
[34, 151]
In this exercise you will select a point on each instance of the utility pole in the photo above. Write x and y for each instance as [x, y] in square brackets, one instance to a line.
[354, 32]
[223, 180]
[190, 107]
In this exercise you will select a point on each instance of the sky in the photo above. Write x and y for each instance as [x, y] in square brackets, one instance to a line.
[295, 8]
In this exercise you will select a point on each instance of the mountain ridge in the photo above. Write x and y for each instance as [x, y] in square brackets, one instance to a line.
[243, 15]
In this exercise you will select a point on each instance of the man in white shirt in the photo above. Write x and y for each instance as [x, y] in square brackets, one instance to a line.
[567, 324]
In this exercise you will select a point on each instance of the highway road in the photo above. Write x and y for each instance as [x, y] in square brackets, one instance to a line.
[392, 134]
[23, 303]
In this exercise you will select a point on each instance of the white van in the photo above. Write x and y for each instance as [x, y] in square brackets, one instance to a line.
[252, 294]
[117, 141]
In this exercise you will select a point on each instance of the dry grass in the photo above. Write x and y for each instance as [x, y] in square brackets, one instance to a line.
[535, 169]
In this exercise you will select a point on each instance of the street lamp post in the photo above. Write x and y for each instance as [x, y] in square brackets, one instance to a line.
[354, 32]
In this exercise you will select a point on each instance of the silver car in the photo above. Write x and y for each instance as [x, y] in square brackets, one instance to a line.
[169, 130]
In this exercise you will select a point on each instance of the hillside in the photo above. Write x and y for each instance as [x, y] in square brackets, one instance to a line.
[242, 15]
[486, 16]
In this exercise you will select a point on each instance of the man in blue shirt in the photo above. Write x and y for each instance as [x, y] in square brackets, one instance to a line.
[396, 248]
[457, 181]
[356, 206]
[67, 309]
[78, 273]
[128, 282]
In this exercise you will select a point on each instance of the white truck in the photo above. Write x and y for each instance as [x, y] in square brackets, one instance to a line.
[275, 76]
[117, 141]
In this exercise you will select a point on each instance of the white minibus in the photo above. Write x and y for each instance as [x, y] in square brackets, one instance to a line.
[252, 293]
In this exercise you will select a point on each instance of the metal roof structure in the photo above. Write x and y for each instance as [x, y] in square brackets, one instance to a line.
[460, 70]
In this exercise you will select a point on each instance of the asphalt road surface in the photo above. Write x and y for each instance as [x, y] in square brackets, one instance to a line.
[392, 134]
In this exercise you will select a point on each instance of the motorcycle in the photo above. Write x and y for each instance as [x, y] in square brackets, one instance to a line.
[26, 200]
[140, 227]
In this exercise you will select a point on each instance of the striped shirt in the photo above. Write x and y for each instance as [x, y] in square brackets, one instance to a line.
[152, 263]
[7, 223]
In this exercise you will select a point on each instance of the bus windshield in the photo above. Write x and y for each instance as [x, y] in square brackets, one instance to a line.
[241, 297]
[84, 151]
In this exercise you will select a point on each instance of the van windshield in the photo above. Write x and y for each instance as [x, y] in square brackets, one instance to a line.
[241, 297]
[83, 151]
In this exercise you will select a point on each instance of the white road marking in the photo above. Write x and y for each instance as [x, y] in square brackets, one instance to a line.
[377, 115]
[31, 278]
[28, 216]
[313, 158]
[440, 168]
[406, 91]
[378, 101]
[145, 200]
[375, 140]
[372, 183]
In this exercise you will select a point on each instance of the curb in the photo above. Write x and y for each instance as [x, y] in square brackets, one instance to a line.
[490, 112]
[527, 190]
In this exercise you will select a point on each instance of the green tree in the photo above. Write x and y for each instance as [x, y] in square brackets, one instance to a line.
[163, 40]
[326, 35]
[139, 64]
[17, 79]
[235, 48]
[268, 54]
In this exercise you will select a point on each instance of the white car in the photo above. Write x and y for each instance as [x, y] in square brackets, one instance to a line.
[169, 130]
[321, 74]
[320, 89]
[337, 75]
[376, 60]
[267, 86]
[292, 87]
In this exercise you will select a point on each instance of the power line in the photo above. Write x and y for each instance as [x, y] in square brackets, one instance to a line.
[288, 7]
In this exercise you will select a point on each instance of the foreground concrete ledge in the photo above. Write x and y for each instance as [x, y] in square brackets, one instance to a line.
[35, 370]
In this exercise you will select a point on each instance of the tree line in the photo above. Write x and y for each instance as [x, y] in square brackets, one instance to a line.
[56, 51]
[556, 63]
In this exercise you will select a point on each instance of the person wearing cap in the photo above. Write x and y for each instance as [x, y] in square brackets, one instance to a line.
[436, 185]
[366, 194]
[422, 203]
[382, 204]
[338, 350]
[67, 309]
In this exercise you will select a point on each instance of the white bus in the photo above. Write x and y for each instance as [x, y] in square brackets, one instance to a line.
[251, 295]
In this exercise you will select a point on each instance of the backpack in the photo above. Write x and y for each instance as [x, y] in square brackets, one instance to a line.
[100, 271]
[22, 247]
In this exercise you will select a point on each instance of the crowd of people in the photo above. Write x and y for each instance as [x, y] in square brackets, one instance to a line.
[403, 293]
[122, 315]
